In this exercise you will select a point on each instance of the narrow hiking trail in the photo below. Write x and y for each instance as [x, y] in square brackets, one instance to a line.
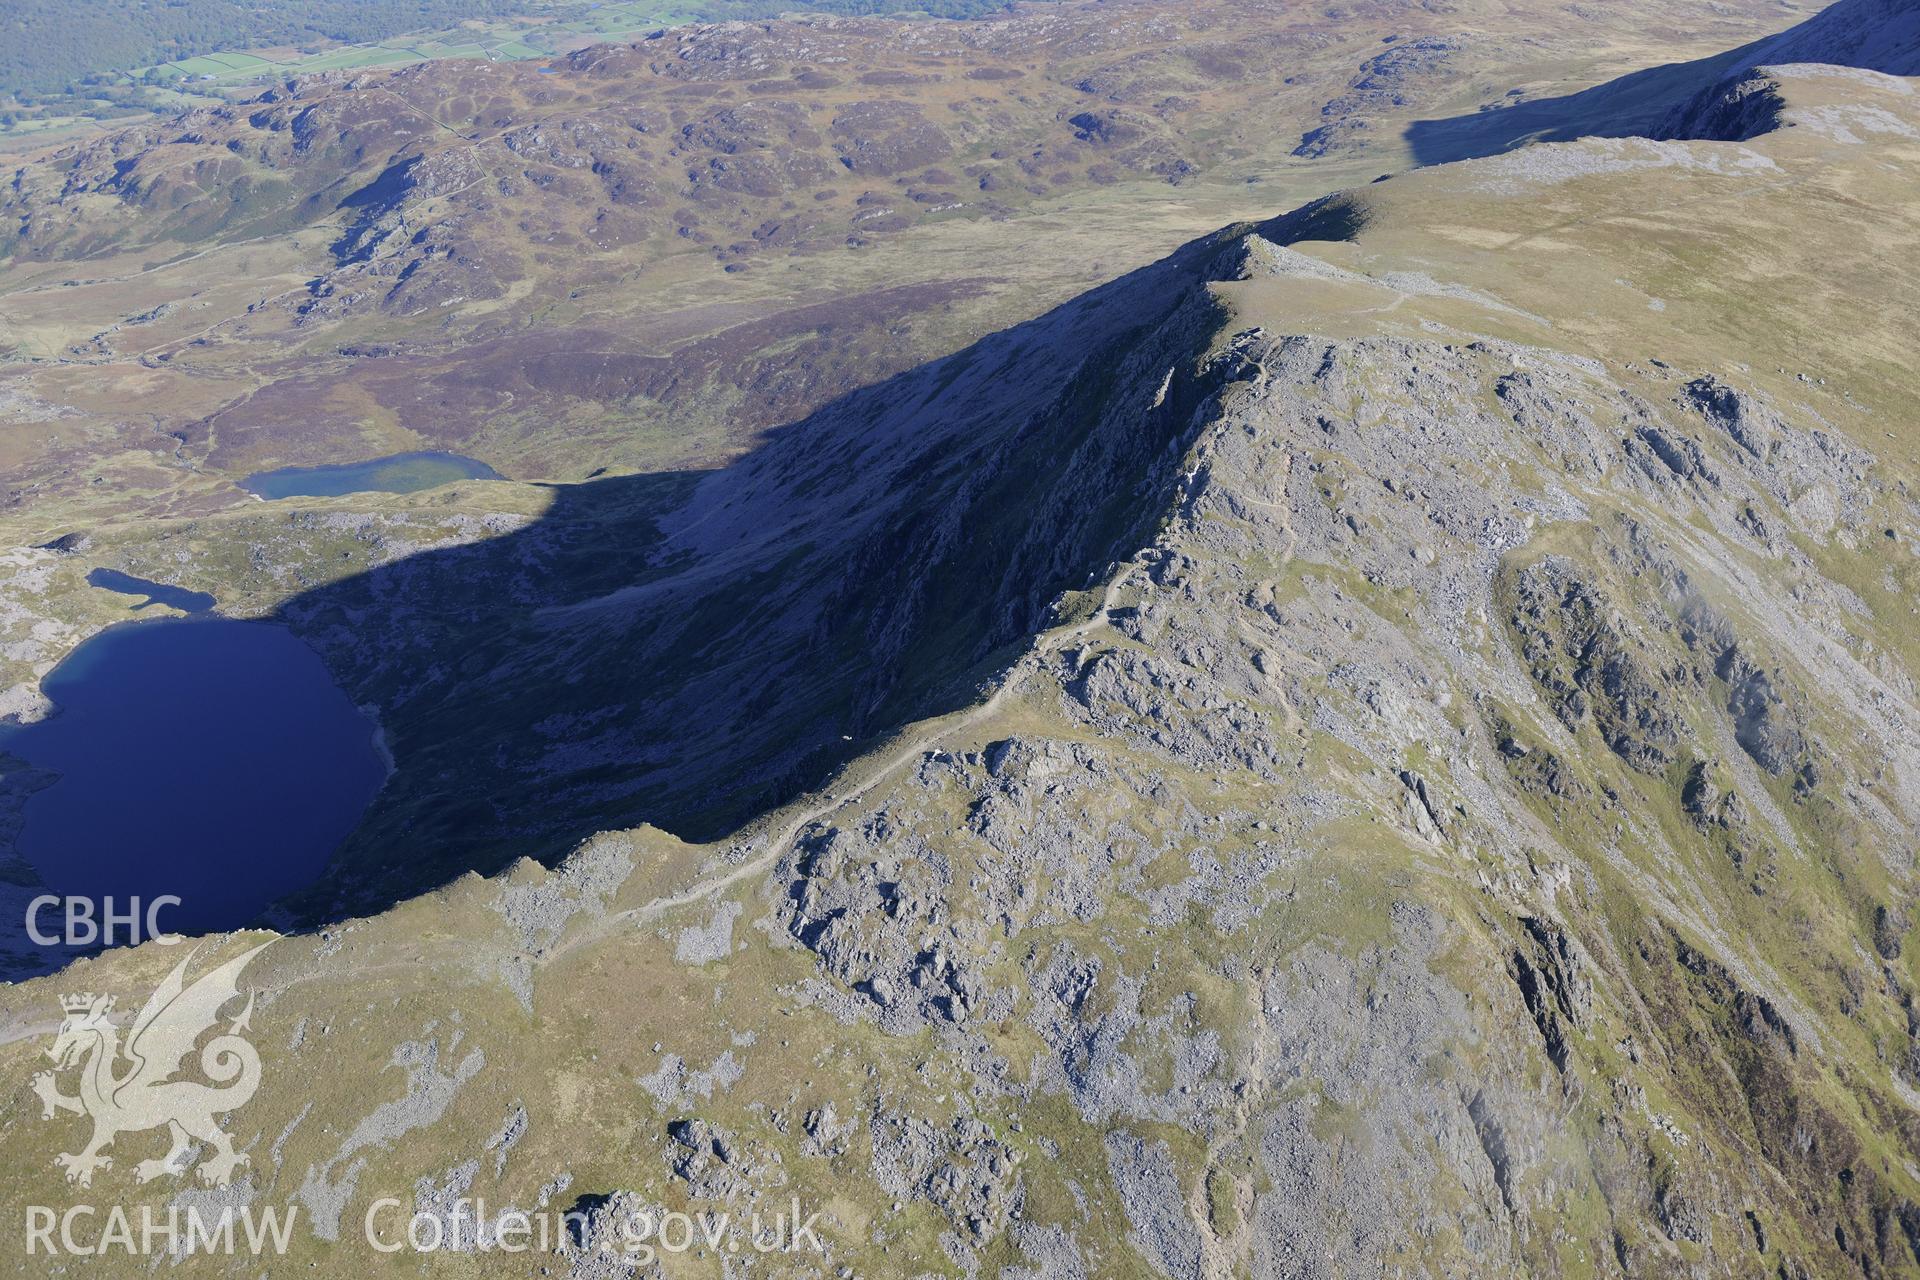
[1048, 644]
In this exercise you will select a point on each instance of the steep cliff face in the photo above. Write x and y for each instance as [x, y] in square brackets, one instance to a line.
[693, 651]
[1864, 35]
[1440, 797]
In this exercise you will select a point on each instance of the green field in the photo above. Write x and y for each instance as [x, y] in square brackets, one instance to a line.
[197, 67]
[239, 61]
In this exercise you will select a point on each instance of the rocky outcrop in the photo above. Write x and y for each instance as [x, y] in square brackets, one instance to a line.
[1581, 652]
[1394, 79]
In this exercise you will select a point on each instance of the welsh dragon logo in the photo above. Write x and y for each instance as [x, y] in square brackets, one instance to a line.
[128, 1088]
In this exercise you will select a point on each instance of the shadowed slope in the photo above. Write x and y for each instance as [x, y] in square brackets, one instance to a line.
[1673, 101]
[688, 651]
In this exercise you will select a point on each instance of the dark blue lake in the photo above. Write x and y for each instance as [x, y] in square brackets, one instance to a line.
[207, 758]
[154, 592]
[399, 473]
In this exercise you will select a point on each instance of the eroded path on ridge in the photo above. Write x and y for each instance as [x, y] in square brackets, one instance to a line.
[906, 753]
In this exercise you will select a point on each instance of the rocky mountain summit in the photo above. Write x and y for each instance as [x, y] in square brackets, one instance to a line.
[1385, 742]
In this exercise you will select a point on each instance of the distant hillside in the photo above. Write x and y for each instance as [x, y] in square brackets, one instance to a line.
[53, 45]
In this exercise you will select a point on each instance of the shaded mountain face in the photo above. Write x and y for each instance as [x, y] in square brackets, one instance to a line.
[1725, 96]
[691, 651]
[1876, 35]
[1386, 742]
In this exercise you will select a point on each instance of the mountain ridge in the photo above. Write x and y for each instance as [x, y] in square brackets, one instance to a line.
[1460, 821]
